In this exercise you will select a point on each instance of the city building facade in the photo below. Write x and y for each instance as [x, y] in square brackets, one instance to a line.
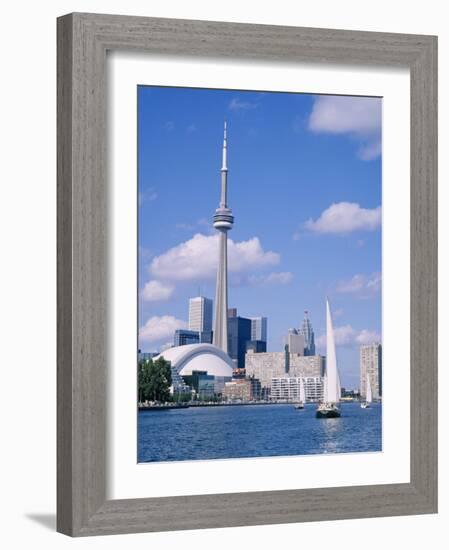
[178, 385]
[202, 383]
[288, 388]
[239, 333]
[246, 389]
[265, 366]
[295, 342]
[371, 365]
[200, 314]
[303, 365]
[184, 337]
[259, 329]
[269, 365]
[256, 346]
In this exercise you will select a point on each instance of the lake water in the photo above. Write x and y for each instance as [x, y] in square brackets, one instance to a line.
[255, 430]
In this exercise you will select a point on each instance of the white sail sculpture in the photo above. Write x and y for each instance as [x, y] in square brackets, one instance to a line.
[331, 394]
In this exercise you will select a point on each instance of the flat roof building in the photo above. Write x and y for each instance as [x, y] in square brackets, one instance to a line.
[200, 314]
[288, 388]
[247, 389]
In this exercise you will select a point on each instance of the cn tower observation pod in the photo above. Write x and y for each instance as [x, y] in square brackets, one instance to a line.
[199, 357]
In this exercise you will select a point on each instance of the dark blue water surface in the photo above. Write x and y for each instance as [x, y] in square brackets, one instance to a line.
[255, 430]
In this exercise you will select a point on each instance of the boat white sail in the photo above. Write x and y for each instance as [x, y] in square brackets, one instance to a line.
[302, 392]
[333, 379]
[332, 389]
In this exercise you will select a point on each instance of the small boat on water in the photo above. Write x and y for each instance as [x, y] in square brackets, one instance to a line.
[302, 396]
[369, 394]
[328, 408]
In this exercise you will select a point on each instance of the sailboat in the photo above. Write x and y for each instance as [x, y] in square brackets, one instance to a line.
[302, 396]
[369, 394]
[328, 408]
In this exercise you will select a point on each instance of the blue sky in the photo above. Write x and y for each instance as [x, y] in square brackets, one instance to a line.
[304, 185]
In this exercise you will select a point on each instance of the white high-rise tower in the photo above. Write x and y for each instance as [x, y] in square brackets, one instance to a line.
[223, 221]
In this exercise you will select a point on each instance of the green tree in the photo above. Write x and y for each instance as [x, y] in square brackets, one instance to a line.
[154, 380]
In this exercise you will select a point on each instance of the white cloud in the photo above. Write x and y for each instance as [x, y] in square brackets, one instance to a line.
[275, 278]
[169, 125]
[160, 328]
[367, 337]
[147, 195]
[346, 336]
[361, 285]
[202, 222]
[360, 117]
[344, 217]
[156, 291]
[370, 151]
[237, 104]
[197, 258]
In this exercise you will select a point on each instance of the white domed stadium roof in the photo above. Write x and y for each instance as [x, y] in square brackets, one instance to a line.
[199, 357]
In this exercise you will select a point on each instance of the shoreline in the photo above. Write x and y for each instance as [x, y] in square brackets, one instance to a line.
[177, 406]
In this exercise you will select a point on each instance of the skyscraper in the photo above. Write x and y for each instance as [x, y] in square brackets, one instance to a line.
[200, 314]
[259, 328]
[309, 337]
[371, 365]
[223, 221]
[239, 334]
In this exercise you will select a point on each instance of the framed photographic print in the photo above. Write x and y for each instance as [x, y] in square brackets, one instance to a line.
[246, 274]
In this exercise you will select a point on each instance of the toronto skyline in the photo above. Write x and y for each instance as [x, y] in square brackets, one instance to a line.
[305, 190]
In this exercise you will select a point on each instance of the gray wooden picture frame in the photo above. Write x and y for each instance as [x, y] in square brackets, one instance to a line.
[83, 40]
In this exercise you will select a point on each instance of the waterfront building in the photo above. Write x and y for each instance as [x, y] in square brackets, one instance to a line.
[288, 388]
[223, 222]
[239, 333]
[268, 365]
[265, 366]
[200, 314]
[202, 383]
[302, 365]
[246, 389]
[257, 346]
[259, 329]
[371, 365]
[295, 342]
[178, 385]
[309, 336]
[314, 388]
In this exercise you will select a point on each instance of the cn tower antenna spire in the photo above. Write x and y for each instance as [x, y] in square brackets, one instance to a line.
[224, 171]
[223, 222]
[224, 165]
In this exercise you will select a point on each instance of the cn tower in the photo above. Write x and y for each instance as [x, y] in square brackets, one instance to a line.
[223, 221]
